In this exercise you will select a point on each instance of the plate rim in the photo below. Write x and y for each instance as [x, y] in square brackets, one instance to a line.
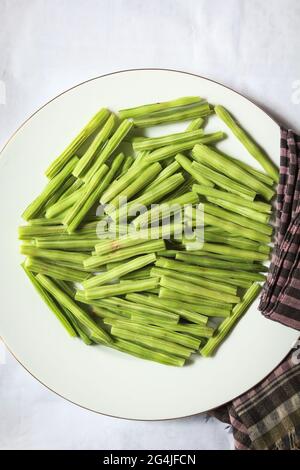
[14, 134]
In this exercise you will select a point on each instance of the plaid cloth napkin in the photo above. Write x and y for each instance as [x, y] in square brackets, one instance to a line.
[280, 300]
[268, 416]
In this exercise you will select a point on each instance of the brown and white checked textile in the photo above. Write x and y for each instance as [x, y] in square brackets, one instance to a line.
[280, 299]
[268, 416]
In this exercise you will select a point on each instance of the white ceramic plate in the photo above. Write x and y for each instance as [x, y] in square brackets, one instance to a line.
[99, 378]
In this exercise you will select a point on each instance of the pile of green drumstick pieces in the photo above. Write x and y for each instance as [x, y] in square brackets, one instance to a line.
[156, 297]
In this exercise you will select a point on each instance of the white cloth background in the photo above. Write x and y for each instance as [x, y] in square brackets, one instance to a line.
[47, 46]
